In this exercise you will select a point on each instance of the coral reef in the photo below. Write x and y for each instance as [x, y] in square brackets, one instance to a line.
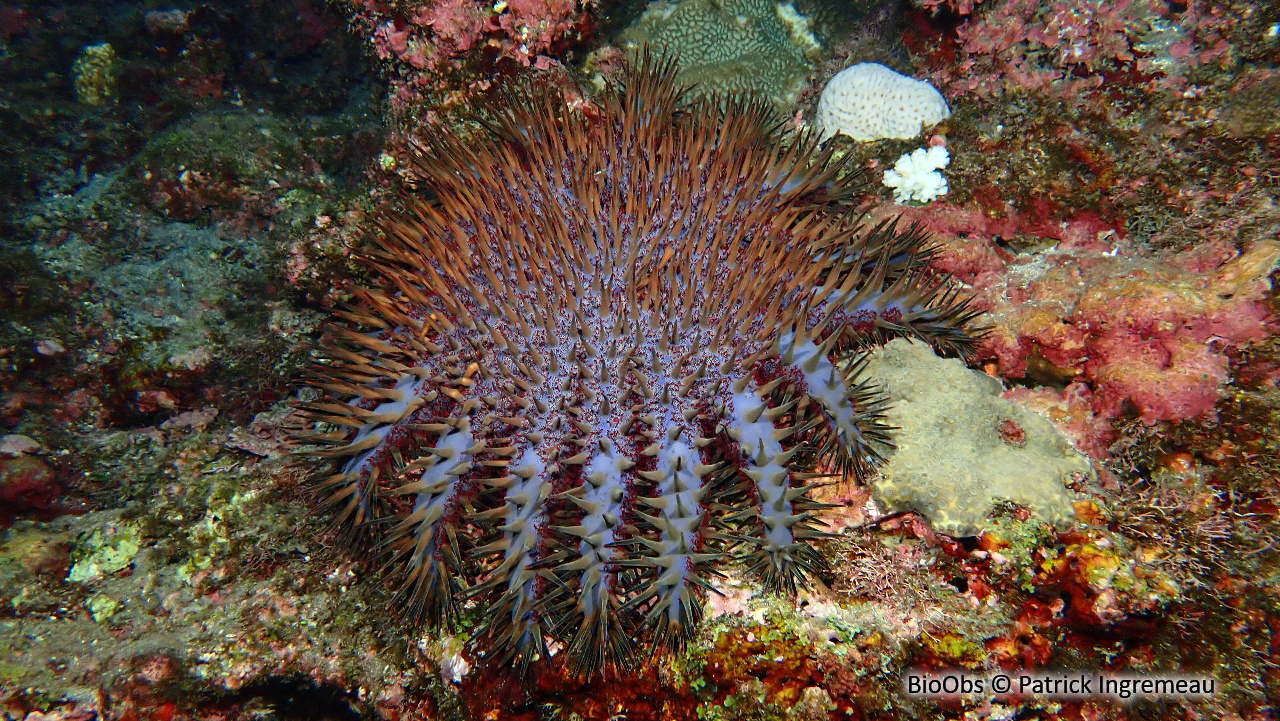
[868, 101]
[120, 599]
[240, 169]
[442, 58]
[172, 316]
[164, 275]
[168, 255]
[1151, 329]
[1066, 47]
[962, 450]
[293, 59]
[755, 46]
[177, 304]
[625, 364]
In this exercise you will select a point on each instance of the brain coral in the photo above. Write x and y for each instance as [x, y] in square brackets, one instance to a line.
[600, 360]
[868, 101]
[962, 449]
[755, 46]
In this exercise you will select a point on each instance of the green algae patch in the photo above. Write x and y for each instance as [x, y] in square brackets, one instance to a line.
[1016, 548]
[211, 537]
[106, 551]
[9, 671]
[754, 666]
[955, 649]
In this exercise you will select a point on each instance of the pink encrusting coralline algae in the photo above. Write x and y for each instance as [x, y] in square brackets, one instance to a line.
[439, 36]
[1142, 328]
[1067, 47]
[441, 56]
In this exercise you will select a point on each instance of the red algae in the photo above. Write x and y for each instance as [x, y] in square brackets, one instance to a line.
[443, 56]
[27, 485]
[1149, 328]
[1072, 48]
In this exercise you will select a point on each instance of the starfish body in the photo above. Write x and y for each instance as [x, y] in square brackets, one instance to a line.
[606, 354]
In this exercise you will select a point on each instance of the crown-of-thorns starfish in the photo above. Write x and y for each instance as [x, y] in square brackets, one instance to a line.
[606, 353]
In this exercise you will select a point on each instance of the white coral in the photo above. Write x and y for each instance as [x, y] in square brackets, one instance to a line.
[915, 176]
[868, 101]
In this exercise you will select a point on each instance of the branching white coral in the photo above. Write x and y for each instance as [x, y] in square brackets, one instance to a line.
[915, 176]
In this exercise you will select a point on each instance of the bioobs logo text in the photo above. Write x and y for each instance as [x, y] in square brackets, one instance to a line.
[950, 684]
[1062, 685]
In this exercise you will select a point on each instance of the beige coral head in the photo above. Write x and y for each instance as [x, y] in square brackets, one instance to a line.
[868, 101]
[96, 71]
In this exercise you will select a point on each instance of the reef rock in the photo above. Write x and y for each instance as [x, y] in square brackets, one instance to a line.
[962, 449]
[868, 101]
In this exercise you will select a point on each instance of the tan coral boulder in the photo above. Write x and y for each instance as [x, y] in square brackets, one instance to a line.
[962, 449]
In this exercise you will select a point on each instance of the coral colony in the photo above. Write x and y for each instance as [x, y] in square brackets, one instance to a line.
[606, 355]
[868, 101]
[915, 176]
